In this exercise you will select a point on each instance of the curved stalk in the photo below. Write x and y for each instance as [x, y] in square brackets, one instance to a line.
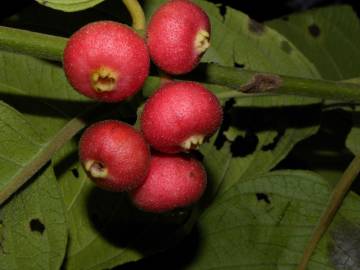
[137, 14]
[336, 198]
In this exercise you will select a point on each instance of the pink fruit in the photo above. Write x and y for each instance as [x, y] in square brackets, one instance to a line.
[179, 116]
[178, 34]
[106, 61]
[114, 155]
[173, 181]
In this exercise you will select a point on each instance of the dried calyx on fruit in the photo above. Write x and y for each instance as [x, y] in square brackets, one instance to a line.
[178, 34]
[179, 116]
[106, 61]
[173, 181]
[114, 155]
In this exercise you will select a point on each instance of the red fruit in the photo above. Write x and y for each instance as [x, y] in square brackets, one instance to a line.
[179, 116]
[177, 36]
[114, 155]
[106, 61]
[173, 181]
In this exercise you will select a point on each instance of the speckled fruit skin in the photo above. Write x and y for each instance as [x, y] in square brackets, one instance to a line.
[121, 149]
[106, 44]
[171, 34]
[173, 181]
[177, 111]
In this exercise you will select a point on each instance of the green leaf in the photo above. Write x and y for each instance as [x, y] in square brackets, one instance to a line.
[33, 233]
[329, 37]
[259, 138]
[238, 39]
[69, 5]
[264, 223]
[20, 145]
[39, 89]
[26, 145]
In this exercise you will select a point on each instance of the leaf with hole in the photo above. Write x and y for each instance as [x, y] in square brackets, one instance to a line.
[33, 232]
[329, 37]
[265, 222]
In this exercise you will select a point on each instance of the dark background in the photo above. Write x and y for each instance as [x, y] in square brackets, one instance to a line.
[265, 10]
[260, 10]
[178, 257]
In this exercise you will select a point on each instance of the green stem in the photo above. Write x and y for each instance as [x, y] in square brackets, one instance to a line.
[336, 198]
[32, 43]
[239, 80]
[137, 14]
[44, 155]
[257, 82]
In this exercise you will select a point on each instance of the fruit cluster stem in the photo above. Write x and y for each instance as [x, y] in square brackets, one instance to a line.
[335, 201]
[239, 80]
[137, 14]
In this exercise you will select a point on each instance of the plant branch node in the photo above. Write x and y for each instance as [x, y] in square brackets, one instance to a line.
[262, 83]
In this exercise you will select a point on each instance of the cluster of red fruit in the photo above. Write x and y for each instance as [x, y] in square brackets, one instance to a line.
[109, 62]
